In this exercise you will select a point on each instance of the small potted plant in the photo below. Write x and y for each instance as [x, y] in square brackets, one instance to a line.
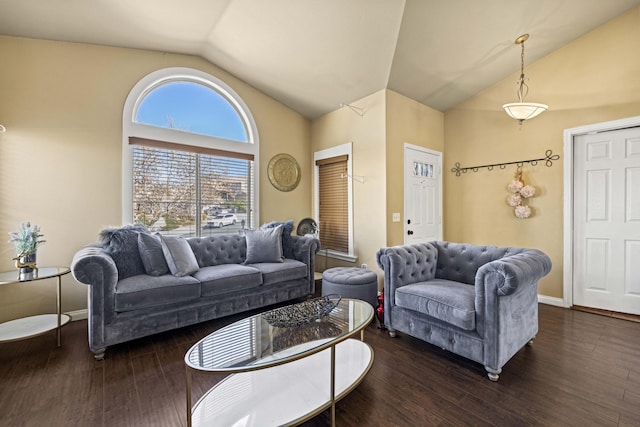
[27, 240]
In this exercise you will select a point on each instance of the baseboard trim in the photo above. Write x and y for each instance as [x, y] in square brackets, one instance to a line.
[78, 314]
[558, 302]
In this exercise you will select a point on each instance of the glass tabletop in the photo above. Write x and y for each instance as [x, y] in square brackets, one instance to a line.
[253, 343]
[14, 276]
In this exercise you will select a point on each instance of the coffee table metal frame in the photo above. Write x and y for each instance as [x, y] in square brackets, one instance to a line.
[330, 343]
[31, 326]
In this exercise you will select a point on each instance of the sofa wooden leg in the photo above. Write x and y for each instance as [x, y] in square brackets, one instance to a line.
[392, 334]
[99, 355]
[531, 341]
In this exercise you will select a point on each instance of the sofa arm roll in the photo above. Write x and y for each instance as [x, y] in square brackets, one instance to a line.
[507, 274]
[91, 265]
[304, 247]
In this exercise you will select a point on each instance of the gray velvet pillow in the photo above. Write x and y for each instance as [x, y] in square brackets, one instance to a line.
[122, 245]
[264, 245]
[150, 249]
[179, 256]
[287, 240]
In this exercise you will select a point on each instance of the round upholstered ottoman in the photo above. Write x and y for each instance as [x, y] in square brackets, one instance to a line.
[351, 282]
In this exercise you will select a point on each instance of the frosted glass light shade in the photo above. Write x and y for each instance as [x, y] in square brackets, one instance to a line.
[524, 110]
[2, 128]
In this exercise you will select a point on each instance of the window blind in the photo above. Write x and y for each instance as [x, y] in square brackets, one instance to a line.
[176, 191]
[334, 203]
[145, 142]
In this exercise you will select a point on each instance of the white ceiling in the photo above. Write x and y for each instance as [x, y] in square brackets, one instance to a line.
[314, 55]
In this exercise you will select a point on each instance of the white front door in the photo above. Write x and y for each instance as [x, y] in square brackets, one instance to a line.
[606, 242]
[422, 194]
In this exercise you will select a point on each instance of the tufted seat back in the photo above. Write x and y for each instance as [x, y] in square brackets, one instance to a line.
[460, 262]
[412, 263]
[217, 250]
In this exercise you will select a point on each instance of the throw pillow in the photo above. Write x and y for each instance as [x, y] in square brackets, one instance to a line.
[122, 245]
[287, 240]
[264, 245]
[150, 249]
[179, 256]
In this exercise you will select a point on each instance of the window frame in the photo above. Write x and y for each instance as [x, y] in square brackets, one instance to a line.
[339, 150]
[132, 129]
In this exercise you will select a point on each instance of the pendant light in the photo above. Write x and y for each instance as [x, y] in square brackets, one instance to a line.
[522, 110]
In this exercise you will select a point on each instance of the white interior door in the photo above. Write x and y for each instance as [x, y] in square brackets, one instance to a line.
[422, 195]
[607, 220]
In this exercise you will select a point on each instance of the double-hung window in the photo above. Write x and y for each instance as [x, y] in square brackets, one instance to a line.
[334, 201]
[189, 155]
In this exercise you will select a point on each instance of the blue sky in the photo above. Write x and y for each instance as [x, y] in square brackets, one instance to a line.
[192, 107]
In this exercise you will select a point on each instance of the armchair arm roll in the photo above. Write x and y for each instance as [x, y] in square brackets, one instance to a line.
[403, 265]
[506, 301]
[92, 265]
[409, 263]
[506, 275]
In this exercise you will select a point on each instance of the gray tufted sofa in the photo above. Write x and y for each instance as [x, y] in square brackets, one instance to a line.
[480, 302]
[123, 309]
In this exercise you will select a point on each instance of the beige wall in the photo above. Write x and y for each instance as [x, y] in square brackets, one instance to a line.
[414, 123]
[367, 133]
[591, 80]
[378, 137]
[60, 159]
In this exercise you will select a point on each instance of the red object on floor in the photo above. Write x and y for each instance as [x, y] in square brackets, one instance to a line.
[380, 310]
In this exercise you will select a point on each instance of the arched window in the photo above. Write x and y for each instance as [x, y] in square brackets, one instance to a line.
[190, 148]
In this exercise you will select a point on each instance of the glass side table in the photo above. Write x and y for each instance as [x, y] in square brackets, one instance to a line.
[32, 326]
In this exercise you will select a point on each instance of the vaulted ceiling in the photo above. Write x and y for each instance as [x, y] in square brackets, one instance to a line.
[314, 55]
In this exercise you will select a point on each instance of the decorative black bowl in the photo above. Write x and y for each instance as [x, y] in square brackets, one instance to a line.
[302, 313]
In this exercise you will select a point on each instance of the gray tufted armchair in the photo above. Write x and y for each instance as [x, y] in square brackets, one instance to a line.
[480, 302]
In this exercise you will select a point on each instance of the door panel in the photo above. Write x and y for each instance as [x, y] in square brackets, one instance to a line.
[633, 195]
[598, 195]
[632, 262]
[598, 259]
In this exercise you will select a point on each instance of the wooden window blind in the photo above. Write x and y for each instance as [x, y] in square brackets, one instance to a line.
[334, 203]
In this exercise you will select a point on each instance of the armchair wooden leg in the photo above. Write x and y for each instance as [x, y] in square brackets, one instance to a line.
[531, 341]
[392, 333]
[493, 374]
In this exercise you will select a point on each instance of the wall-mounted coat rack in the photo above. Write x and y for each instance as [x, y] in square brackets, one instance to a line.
[548, 159]
[359, 111]
[358, 178]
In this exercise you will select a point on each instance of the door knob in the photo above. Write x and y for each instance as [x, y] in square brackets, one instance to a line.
[409, 232]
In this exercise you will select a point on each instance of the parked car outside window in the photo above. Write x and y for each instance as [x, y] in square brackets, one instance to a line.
[222, 220]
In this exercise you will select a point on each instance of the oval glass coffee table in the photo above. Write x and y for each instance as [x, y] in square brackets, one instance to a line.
[280, 375]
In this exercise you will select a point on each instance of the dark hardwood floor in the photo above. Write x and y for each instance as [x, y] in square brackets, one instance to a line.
[583, 370]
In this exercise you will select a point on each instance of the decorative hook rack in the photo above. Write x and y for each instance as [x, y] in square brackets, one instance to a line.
[548, 159]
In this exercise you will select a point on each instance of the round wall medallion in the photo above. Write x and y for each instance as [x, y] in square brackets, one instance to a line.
[284, 172]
